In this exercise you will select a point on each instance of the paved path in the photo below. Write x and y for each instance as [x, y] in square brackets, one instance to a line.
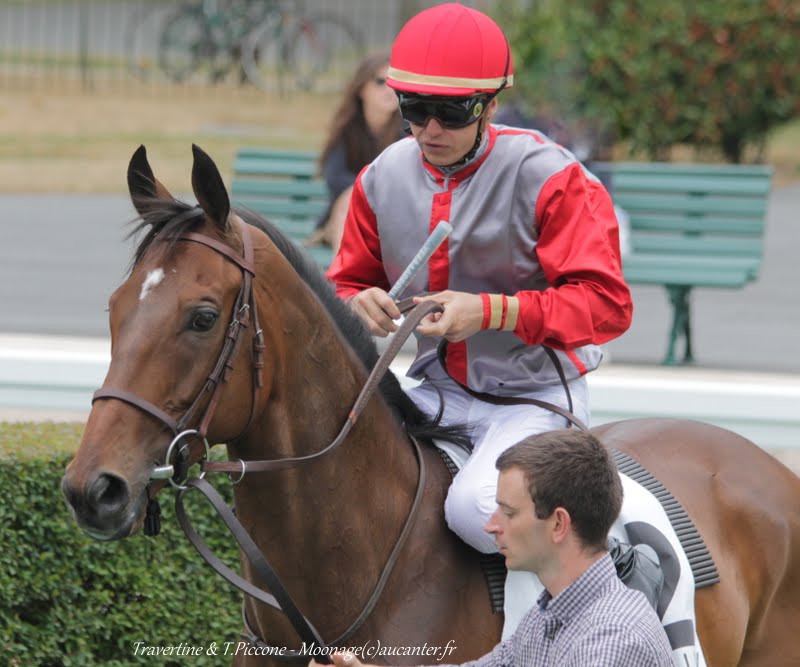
[61, 256]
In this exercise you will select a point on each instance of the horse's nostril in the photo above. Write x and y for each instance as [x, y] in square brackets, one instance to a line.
[108, 494]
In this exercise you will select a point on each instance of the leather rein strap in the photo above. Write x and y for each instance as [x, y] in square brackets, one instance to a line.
[401, 335]
[244, 311]
[518, 400]
[281, 599]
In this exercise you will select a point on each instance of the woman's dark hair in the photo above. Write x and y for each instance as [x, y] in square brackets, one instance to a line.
[350, 125]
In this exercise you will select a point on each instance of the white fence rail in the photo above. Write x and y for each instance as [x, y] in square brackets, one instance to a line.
[48, 375]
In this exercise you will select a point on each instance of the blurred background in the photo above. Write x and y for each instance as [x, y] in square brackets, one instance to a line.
[84, 82]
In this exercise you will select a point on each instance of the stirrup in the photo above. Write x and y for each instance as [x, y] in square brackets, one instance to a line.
[639, 568]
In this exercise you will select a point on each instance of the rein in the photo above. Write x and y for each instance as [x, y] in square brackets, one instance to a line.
[281, 599]
[567, 414]
[244, 312]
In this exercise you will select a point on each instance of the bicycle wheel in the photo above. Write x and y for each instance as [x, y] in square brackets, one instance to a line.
[325, 51]
[141, 41]
[185, 44]
[266, 55]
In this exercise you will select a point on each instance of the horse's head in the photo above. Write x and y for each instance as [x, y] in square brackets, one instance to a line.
[170, 329]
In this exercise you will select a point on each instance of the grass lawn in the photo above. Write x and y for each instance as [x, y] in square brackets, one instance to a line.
[71, 141]
[81, 142]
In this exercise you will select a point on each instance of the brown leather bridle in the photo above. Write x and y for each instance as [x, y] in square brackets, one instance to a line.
[245, 311]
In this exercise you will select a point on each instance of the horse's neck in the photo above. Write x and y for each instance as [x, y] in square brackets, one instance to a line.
[317, 521]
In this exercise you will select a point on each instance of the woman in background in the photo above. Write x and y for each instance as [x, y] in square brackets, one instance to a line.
[366, 121]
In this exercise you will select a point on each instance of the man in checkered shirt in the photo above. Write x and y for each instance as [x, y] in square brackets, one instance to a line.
[558, 494]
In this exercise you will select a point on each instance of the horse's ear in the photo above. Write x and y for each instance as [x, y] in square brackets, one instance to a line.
[209, 188]
[142, 184]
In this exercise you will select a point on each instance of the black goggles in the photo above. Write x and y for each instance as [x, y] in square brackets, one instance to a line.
[451, 112]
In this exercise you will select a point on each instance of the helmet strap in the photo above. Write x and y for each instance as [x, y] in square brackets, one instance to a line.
[481, 123]
[472, 151]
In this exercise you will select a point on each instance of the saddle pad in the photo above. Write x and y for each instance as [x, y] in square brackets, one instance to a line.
[704, 570]
[703, 567]
[493, 565]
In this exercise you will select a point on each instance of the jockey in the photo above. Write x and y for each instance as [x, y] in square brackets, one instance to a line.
[530, 278]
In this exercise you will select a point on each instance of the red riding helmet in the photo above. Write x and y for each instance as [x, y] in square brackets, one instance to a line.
[450, 50]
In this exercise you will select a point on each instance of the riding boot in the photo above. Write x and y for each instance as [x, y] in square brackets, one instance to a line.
[639, 568]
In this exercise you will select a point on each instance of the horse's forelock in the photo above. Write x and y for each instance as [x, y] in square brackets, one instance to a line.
[162, 219]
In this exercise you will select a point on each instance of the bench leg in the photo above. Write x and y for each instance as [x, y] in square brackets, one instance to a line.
[688, 357]
[681, 324]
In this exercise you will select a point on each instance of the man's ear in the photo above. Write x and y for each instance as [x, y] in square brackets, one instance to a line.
[561, 525]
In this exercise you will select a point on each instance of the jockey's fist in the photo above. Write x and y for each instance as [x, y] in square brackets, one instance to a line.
[462, 315]
[377, 309]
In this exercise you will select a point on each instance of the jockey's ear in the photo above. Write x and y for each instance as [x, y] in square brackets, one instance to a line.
[143, 186]
[491, 110]
[209, 188]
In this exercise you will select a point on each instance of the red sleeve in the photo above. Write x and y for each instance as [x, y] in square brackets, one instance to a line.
[358, 264]
[578, 250]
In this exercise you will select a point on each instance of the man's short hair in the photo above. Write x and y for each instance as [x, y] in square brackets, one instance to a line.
[570, 468]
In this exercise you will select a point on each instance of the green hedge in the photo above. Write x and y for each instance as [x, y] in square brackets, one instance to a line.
[68, 600]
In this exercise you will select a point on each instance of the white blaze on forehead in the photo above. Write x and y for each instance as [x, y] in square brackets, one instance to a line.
[153, 278]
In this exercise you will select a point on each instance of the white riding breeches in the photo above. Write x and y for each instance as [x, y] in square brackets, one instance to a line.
[493, 428]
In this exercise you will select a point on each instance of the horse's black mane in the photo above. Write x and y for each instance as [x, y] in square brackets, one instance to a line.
[167, 220]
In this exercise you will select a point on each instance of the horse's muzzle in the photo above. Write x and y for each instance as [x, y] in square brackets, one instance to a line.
[102, 507]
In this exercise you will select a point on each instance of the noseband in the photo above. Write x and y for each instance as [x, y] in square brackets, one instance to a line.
[244, 311]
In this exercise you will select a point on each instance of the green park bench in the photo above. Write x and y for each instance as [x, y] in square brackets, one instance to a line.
[285, 187]
[692, 225]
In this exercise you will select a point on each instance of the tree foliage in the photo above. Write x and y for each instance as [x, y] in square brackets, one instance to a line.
[715, 74]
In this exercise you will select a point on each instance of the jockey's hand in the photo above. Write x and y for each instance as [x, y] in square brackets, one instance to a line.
[341, 659]
[462, 315]
[377, 309]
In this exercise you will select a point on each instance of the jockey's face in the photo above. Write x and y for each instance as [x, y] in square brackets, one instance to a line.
[443, 146]
[520, 536]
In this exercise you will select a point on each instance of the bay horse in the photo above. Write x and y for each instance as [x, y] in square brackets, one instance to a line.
[283, 390]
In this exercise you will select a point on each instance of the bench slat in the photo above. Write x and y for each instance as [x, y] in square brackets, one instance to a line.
[283, 188]
[649, 222]
[685, 168]
[275, 167]
[740, 186]
[277, 209]
[726, 246]
[667, 269]
[278, 153]
[688, 205]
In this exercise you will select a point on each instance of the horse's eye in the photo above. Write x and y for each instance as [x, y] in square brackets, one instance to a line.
[203, 320]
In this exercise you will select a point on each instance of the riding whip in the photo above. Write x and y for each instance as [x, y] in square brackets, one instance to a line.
[438, 235]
